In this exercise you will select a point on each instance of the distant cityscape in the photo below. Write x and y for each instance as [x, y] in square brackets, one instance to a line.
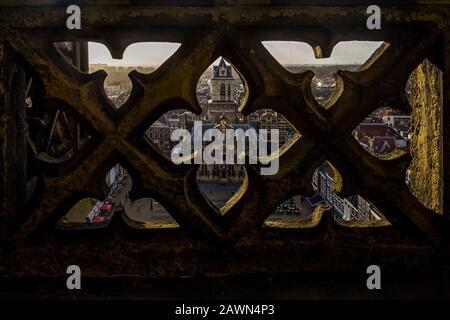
[118, 85]
[220, 92]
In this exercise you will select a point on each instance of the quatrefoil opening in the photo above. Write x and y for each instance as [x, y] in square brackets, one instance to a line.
[57, 136]
[53, 134]
[144, 57]
[221, 92]
[92, 213]
[385, 133]
[353, 210]
[141, 213]
[327, 85]
[96, 213]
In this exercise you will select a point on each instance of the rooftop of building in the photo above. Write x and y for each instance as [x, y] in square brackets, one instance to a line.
[383, 144]
[222, 66]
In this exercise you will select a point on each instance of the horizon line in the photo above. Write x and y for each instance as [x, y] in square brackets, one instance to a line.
[283, 64]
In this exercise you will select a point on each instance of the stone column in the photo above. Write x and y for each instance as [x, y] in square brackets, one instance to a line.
[426, 101]
[13, 147]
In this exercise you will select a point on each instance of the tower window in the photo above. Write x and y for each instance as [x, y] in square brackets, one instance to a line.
[222, 91]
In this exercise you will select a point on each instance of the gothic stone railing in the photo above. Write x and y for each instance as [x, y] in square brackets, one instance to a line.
[206, 242]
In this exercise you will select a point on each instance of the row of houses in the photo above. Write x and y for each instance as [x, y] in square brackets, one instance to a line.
[384, 131]
[354, 208]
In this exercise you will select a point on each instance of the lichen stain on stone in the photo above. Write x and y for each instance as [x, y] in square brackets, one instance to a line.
[426, 101]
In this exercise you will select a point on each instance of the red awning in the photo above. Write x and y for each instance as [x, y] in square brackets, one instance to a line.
[106, 207]
[98, 219]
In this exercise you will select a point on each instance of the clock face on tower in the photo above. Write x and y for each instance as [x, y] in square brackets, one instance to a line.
[223, 72]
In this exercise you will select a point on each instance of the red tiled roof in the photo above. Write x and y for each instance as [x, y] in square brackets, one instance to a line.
[383, 145]
[374, 129]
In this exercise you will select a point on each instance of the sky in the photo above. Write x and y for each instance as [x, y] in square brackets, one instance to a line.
[286, 52]
[348, 52]
[136, 54]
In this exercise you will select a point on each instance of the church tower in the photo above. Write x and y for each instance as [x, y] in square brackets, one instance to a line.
[222, 83]
[223, 93]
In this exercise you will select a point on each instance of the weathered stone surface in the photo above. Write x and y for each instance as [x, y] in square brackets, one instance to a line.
[426, 100]
[206, 243]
